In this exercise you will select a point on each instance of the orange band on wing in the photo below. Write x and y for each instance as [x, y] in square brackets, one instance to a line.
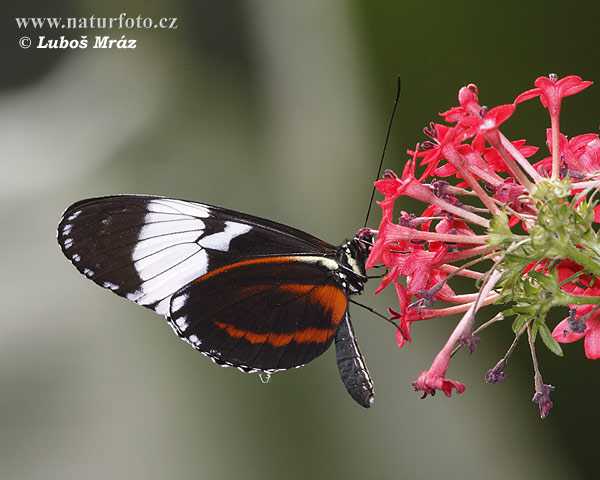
[216, 271]
[307, 335]
[332, 299]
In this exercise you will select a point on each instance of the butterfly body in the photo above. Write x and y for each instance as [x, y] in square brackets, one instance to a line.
[245, 291]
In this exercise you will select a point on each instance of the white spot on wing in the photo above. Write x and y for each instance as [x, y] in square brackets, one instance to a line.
[75, 257]
[68, 243]
[179, 302]
[182, 324]
[133, 296]
[74, 215]
[221, 240]
[110, 286]
[162, 307]
[67, 229]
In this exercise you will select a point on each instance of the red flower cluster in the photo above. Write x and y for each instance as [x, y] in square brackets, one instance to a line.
[454, 233]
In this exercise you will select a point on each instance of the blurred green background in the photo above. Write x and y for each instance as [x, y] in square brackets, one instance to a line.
[277, 108]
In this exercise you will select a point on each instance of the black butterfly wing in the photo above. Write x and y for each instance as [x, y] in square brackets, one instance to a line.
[146, 248]
[264, 314]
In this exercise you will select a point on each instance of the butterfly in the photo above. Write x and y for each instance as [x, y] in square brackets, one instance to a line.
[245, 291]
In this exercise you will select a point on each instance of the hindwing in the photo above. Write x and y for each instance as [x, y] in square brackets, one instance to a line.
[265, 314]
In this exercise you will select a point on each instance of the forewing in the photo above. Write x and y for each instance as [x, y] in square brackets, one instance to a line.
[266, 314]
[147, 248]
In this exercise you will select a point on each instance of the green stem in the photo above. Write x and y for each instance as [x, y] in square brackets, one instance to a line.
[569, 299]
[577, 255]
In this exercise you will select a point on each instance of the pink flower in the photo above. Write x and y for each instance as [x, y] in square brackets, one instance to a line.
[434, 379]
[551, 90]
[469, 104]
[510, 194]
[581, 153]
[563, 334]
[488, 122]
[432, 151]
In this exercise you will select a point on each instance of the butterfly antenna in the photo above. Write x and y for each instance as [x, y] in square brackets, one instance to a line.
[387, 138]
[375, 312]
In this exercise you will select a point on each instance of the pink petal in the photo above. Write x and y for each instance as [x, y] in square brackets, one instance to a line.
[501, 113]
[572, 84]
[559, 333]
[529, 94]
[400, 340]
[387, 186]
[467, 95]
[454, 114]
[597, 214]
[448, 385]
[592, 339]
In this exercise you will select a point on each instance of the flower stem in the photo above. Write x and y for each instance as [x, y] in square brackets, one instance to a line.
[513, 168]
[456, 159]
[577, 255]
[554, 122]
[520, 159]
[536, 375]
[398, 233]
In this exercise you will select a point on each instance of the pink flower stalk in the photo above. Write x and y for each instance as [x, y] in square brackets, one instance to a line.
[523, 233]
